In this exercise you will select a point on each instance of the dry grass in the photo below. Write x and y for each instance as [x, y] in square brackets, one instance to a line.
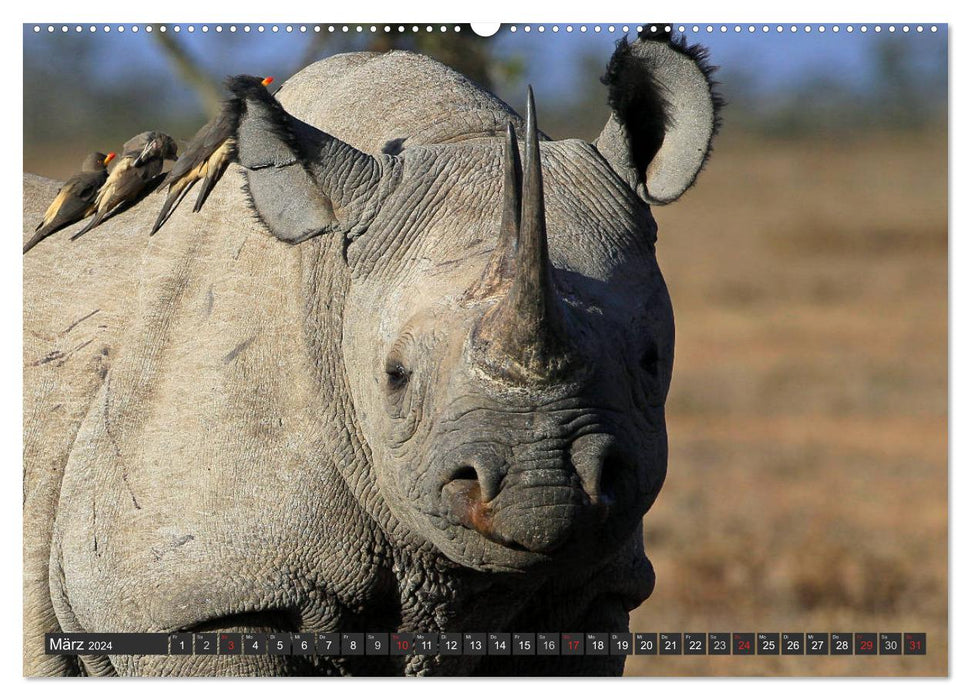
[807, 486]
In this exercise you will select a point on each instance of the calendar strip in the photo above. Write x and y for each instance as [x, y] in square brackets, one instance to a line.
[491, 644]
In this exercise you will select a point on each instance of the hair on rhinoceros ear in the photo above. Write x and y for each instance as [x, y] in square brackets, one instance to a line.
[664, 114]
[303, 182]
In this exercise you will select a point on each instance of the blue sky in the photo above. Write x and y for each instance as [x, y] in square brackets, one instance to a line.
[775, 59]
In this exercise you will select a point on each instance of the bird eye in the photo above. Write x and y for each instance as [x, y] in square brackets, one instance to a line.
[397, 375]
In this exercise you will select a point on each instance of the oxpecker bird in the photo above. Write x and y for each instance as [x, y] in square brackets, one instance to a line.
[140, 163]
[75, 199]
[210, 152]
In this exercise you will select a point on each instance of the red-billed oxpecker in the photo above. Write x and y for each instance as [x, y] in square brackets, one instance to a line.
[137, 169]
[210, 152]
[75, 199]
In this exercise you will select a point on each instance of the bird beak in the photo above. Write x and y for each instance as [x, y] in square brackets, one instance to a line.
[266, 81]
[110, 157]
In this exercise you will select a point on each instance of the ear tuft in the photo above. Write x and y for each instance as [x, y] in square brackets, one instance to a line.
[665, 113]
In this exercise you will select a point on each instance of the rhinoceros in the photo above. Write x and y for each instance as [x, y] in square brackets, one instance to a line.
[405, 372]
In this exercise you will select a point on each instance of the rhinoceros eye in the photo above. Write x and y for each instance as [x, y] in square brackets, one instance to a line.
[397, 375]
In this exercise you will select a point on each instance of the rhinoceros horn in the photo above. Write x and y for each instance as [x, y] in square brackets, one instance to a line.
[523, 337]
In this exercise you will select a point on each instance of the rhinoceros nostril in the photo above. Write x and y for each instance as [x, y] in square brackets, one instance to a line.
[483, 475]
[611, 475]
[600, 467]
[464, 473]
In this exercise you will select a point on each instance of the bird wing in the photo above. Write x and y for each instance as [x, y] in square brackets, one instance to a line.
[73, 200]
[209, 138]
[124, 182]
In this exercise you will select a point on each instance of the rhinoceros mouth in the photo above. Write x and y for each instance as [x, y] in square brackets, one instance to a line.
[538, 528]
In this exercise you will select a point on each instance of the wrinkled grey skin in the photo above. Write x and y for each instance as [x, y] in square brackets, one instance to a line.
[213, 441]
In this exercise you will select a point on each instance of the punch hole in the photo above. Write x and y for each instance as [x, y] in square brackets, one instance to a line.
[485, 28]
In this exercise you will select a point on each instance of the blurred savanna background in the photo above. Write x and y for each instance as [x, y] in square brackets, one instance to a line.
[808, 476]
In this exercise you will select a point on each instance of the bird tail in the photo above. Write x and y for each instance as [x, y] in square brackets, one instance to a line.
[177, 192]
[98, 218]
[40, 235]
[216, 170]
[204, 192]
[50, 228]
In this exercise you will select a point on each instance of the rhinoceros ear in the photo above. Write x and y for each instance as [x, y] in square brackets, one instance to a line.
[303, 182]
[665, 114]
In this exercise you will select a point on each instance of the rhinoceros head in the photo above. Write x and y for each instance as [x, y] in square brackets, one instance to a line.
[507, 337]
